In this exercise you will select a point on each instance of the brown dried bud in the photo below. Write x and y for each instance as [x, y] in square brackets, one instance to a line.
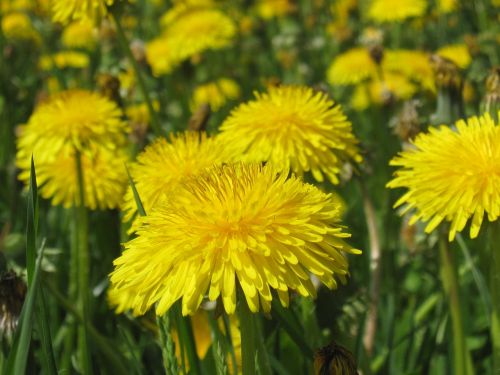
[12, 294]
[446, 72]
[199, 119]
[406, 124]
[109, 86]
[333, 360]
[376, 53]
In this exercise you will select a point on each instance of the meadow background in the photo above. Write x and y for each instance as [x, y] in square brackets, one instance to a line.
[412, 65]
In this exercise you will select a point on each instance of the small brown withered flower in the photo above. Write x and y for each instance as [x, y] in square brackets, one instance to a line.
[12, 294]
[334, 360]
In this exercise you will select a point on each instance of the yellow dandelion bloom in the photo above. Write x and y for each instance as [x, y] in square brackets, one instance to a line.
[351, 67]
[234, 224]
[294, 127]
[452, 175]
[396, 10]
[65, 59]
[17, 26]
[216, 94]
[394, 86]
[414, 64]
[78, 118]
[163, 165]
[458, 53]
[268, 9]
[446, 6]
[68, 10]
[79, 34]
[191, 33]
[104, 175]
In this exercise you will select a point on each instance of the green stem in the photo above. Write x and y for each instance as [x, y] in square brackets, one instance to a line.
[494, 239]
[83, 270]
[461, 356]
[155, 122]
[248, 338]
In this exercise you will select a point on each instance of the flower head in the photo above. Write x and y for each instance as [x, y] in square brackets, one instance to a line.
[65, 59]
[268, 9]
[414, 64]
[17, 26]
[12, 294]
[188, 33]
[78, 118]
[351, 67]
[396, 10]
[234, 224]
[216, 93]
[67, 10]
[80, 34]
[294, 127]
[458, 53]
[163, 165]
[452, 175]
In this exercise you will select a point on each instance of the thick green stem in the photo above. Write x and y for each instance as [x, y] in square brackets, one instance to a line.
[248, 338]
[461, 355]
[495, 294]
[83, 270]
[155, 122]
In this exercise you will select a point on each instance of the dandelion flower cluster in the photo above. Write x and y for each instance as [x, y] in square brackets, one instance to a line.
[452, 175]
[234, 224]
[294, 127]
[188, 32]
[163, 165]
[67, 123]
[396, 10]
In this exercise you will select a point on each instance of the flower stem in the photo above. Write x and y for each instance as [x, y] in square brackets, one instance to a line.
[461, 356]
[495, 294]
[83, 270]
[248, 338]
[155, 122]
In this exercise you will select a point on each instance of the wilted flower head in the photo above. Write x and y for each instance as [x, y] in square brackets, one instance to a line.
[452, 175]
[12, 294]
[164, 164]
[295, 127]
[396, 10]
[234, 224]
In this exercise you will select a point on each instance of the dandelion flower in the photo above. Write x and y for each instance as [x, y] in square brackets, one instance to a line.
[414, 64]
[104, 176]
[163, 165]
[458, 53]
[351, 67]
[268, 9]
[67, 10]
[81, 119]
[234, 224]
[17, 26]
[190, 33]
[295, 127]
[216, 94]
[452, 175]
[79, 34]
[65, 59]
[446, 6]
[396, 10]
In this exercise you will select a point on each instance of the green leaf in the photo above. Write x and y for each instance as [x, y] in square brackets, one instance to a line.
[137, 198]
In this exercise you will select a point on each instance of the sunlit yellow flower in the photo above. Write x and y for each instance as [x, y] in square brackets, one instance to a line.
[294, 127]
[16, 5]
[268, 9]
[351, 67]
[458, 53]
[396, 10]
[79, 34]
[65, 59]
[104, 176]
[446, 6]
[234, 224]
[190, 33]
[17, 26]
[67, 10]
[163, 165]
[394, 86]
[452, 175]
[414, 64]
[78, 118]
[216, 93]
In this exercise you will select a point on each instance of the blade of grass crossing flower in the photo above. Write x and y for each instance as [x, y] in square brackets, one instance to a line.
[137, 198]
[186, 340]
[167, 345]
[18, 357]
